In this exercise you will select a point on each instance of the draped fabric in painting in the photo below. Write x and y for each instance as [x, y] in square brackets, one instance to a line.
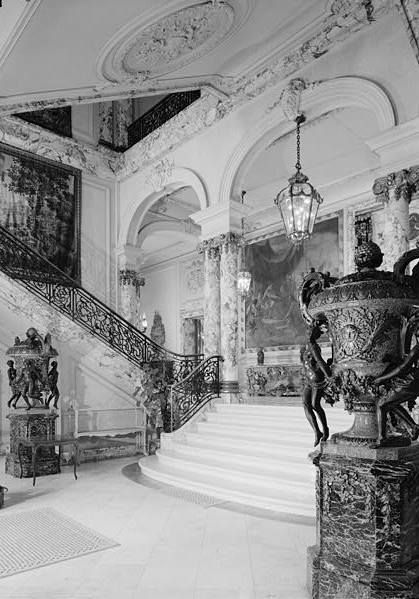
[272, 313]
[40, 204]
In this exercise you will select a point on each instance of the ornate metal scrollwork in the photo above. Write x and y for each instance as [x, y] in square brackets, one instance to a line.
[159, 114]
[192, 392]
[49, 283]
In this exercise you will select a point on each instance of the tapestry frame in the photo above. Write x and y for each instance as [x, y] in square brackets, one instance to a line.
[61, 169]
[250, 351]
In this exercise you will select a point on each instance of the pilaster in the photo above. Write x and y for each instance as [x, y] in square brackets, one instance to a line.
[395, 192]
[211, 251]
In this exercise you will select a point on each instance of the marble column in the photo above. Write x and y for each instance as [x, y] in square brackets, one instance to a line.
[395, 193]
[123, 117]
[210, 249]
[129, 284]
[106, 123]
[229, 251]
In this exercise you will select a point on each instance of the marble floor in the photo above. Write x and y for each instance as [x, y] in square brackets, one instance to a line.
[169, 547]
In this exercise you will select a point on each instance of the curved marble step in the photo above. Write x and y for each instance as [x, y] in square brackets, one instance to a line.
[218, 487]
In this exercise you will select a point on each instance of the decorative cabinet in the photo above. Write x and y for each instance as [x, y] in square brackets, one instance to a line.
[274, 380]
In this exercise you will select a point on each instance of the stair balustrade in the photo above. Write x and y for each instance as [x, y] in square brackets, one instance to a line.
[192, 380]
[191, 393]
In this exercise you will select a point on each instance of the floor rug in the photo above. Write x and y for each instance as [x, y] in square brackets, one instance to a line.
[37, 538]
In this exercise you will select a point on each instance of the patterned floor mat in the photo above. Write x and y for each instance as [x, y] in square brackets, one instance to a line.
[37, 538]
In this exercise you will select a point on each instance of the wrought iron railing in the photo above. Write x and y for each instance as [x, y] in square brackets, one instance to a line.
[46, 281]
[189, 395]
[159, 114]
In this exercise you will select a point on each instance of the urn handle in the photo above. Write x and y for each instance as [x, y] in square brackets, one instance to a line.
[399, 268]
[313, 283]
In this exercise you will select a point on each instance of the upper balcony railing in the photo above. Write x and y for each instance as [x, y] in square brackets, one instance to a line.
[159, 114]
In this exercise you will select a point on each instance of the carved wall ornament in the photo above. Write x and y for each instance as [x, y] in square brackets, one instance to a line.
[171, 42]
[230, 241]
[403, 183]
[129, 277]
[290, 98]
[160, 174]
[210, 248]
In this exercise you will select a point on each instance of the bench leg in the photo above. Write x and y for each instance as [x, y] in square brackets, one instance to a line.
[75, 459]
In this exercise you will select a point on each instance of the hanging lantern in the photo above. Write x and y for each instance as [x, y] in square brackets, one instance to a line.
[299, 201]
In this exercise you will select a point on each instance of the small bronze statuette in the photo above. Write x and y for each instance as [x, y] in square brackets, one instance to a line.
[28, 374]
[316, 374]
[261, 356]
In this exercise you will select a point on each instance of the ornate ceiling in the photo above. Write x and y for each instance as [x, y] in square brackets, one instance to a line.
[52, 53]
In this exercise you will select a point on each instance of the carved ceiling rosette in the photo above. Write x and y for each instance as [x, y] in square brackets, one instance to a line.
[169, 43]
[372, 316]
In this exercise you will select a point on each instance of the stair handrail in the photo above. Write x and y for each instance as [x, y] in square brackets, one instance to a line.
[19, 261]
[190, 394]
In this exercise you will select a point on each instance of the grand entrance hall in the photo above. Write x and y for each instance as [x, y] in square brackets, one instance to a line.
[209, 299]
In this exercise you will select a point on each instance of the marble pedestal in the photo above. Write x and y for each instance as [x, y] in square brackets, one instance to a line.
[27, 424]
[367, 523]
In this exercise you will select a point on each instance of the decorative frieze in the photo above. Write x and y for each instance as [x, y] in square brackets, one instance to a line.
[99, 162]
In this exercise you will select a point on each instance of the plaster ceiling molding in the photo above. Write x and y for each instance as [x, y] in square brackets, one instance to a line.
[316, 100]
[15, 16]
[409, 12]
[160, 174]
[342, 19]
[162, 42]
[98, 162]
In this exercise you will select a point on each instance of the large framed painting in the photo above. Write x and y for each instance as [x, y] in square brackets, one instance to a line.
[272, 315]
[40, 205]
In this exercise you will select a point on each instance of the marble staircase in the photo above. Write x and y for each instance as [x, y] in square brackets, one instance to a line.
[255, 455]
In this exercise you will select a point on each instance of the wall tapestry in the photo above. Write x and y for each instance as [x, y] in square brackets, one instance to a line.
[272, 316]
[40, 204]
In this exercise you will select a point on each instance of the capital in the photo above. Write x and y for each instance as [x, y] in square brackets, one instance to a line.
[400, 185]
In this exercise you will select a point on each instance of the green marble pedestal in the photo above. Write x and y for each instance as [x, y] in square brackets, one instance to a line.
[367, 543]
[26, 424]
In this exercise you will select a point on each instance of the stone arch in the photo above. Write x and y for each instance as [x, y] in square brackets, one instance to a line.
[166, 226]
[316, 100]
[134, 214]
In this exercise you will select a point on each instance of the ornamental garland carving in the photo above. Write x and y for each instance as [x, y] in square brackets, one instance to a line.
[171, 42]
[160, 174]
[363, 332]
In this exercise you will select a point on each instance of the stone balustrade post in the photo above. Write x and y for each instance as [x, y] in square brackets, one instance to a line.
[129, 284]
[395, 192]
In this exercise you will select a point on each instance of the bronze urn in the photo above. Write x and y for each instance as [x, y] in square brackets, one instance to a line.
[372, 317]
